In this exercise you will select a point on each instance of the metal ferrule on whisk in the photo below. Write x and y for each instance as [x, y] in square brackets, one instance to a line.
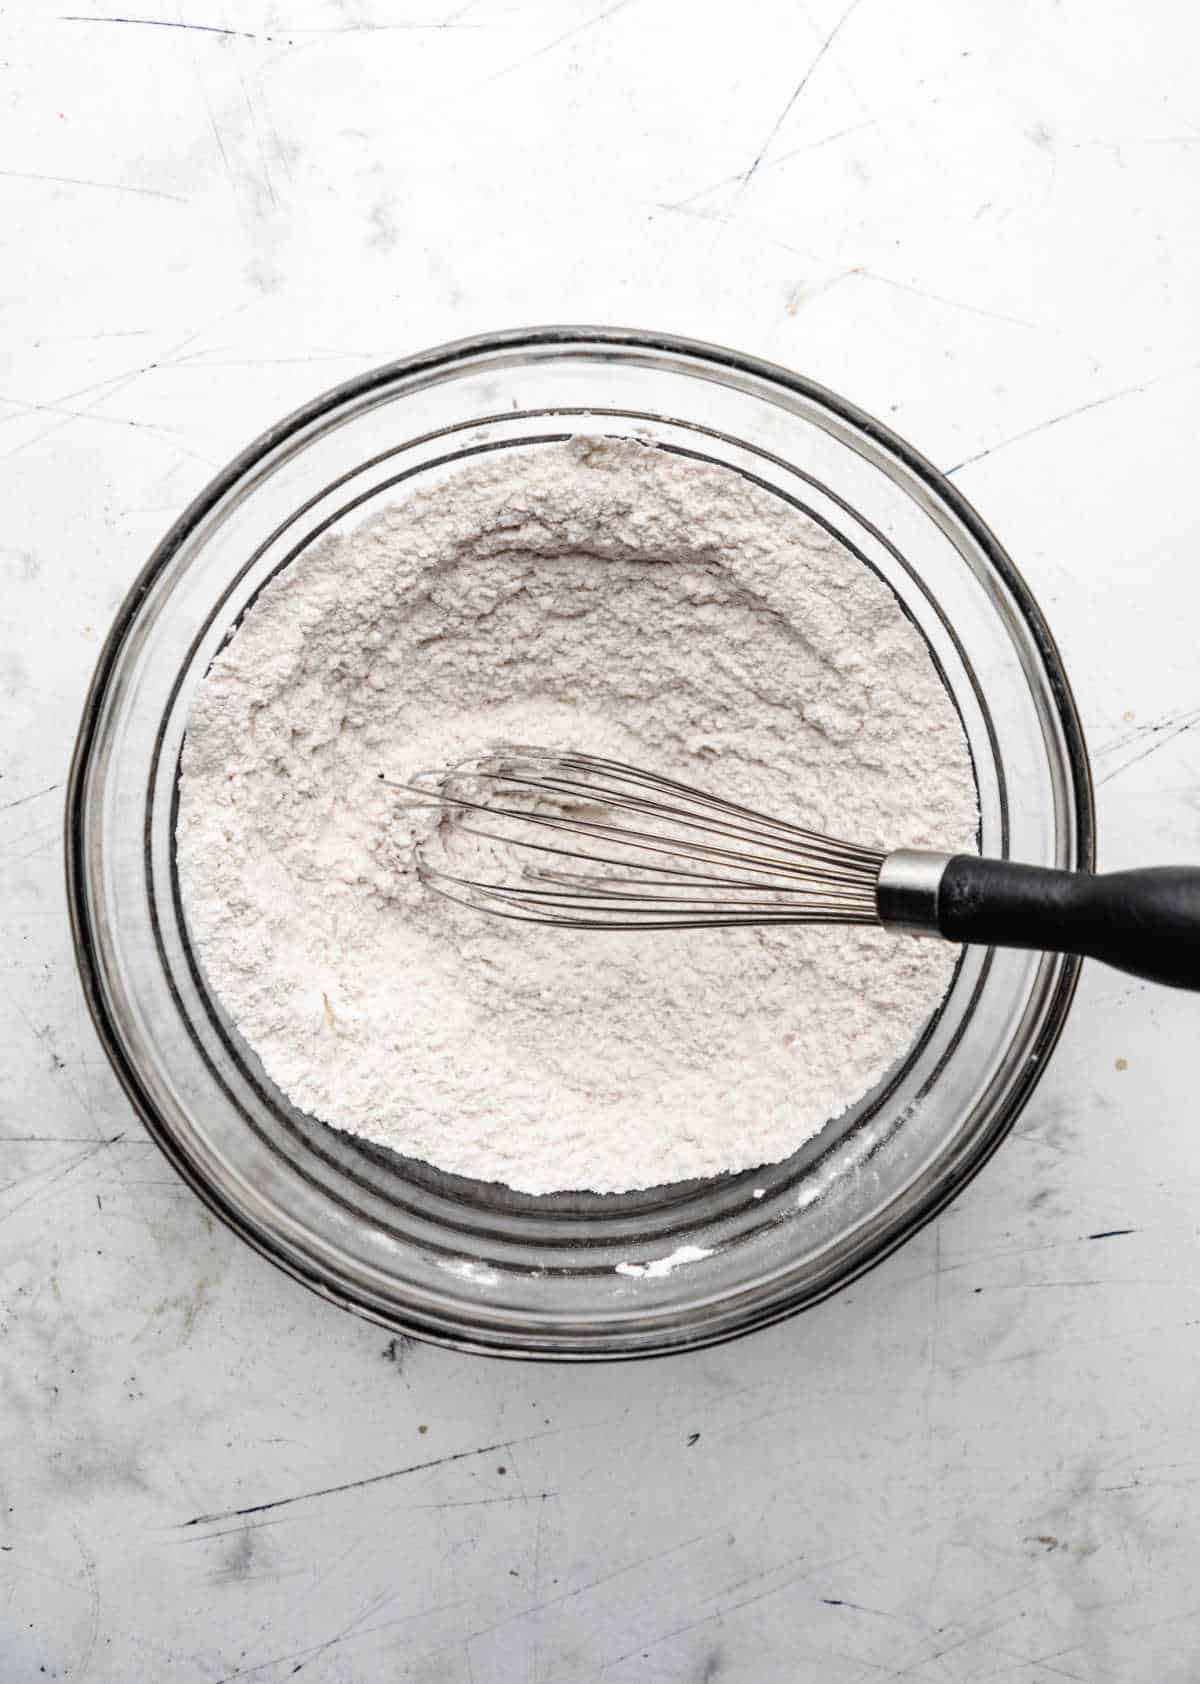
[906, 893]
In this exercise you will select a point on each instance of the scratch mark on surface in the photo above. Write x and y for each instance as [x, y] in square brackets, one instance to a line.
[82, 181]
[23, 407]
[1060, 1672]
[774, 164]
[975, 1635]
[22, 799]
[109, 387]
[385, 28]
[1095, 1280]
[90, 338]
[481, 1502]
[303, 1656]
[373, 1607]
[1107, 1339]
[856, 271]
[167, 23]
[1111, 1233]
[228, 1532]
[798, 90]
[1137, 732]
[357, 1484]
[212, 121]
[593, 1584]
[258, 141]
[1135, 140]
[59, 1175]
[72, 1140]
[1069, 415]
[940, 298]
[105, 388]
[703, 1620]
[1160, 734]
[201, 363]
[567, 34]
[93, 1633]
[997, 1253]
[537, 1549]
[48, 838]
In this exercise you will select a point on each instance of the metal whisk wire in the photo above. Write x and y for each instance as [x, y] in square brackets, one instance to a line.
[675, 857]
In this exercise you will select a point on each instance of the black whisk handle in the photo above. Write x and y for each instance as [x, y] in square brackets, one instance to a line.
[1146, 922]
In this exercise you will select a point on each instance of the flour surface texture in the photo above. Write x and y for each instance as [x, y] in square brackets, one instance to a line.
[599, 595]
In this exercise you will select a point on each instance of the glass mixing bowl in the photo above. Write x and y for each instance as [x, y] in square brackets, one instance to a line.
[475, 1265]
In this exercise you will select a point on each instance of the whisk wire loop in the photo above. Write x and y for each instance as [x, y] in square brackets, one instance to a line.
[673, 856]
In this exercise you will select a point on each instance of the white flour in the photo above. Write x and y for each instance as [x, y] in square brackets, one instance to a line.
[664, 1265]
[597, 595]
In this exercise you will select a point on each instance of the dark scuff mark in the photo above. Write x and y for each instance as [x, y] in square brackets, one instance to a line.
[858, 1607]
[693, 1438]
[396, 1350]
[239, 1558]
[46, 1036]
[1111, 1233]
[383, 231]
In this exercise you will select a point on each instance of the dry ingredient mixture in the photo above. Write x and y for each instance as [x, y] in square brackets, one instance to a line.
[607, 596]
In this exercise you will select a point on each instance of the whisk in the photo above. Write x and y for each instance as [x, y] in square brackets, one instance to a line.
[587, 843]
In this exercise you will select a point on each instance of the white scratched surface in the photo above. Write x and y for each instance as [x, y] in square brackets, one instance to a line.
[980, 222]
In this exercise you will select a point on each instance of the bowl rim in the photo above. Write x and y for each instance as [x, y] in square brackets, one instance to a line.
[565, 337]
